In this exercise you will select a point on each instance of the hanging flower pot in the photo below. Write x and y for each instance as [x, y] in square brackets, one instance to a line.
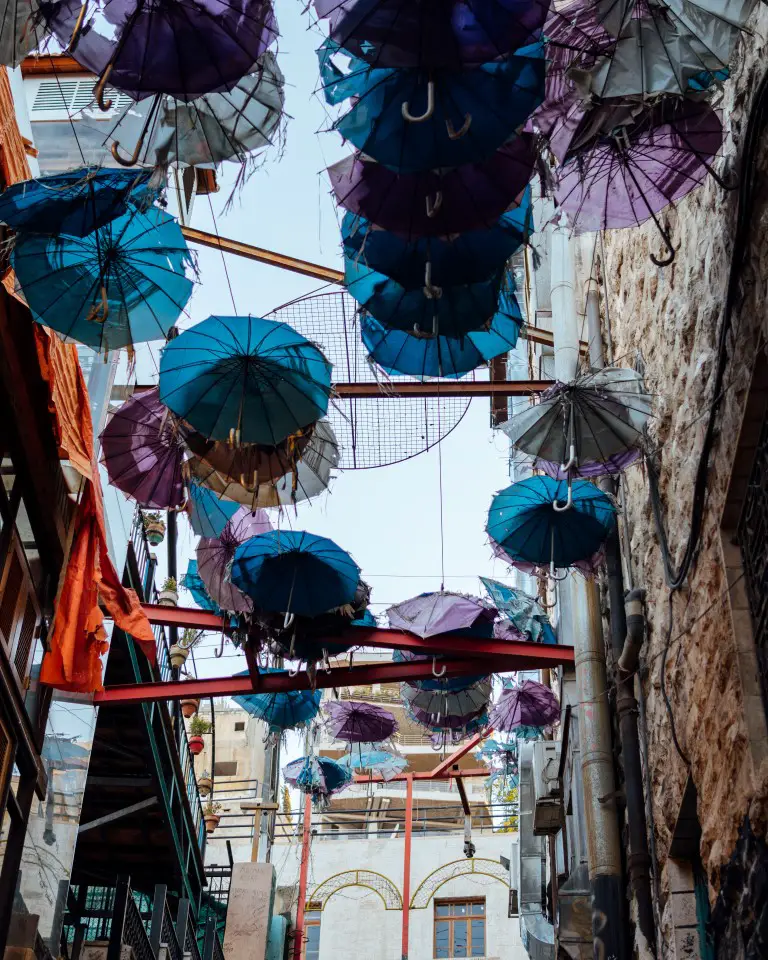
[178, 655]
[196, 745]
[204, 785]
[169, 593]
[154, 528]
[211, 822]
[189, 707]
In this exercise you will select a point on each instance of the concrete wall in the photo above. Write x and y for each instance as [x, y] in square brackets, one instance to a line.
[355, 921]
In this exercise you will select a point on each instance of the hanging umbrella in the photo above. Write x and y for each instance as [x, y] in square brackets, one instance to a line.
[183, 49]
[459, 259]
[374, 763]
[438, 682]
[75, 202]
[225, 125]
[359, 722]
[21, 31]
[398, 352]
[529, 732]
[214, 555]
[310, 477]
[444, 311]
[295, 572]
[431, 614]
[432, 33]
[440, 202]
[244, 378]
[281, 711]
[521, 610]
[595, 418]
[122, 284]
[448, 703]
[529, 704]
[193, 582]
[446, 729]
[208, 513]
[320, 777]
[417, 120]
[144, 454]
[625, 176]
[530, 520]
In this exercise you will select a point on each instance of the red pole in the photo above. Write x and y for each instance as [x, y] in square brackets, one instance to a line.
[298, 939]
[407, 864]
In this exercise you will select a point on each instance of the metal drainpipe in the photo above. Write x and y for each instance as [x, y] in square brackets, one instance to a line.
[638, 860]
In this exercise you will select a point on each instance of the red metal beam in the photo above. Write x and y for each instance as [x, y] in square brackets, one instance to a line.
[440, 770]
[426, 775]
[298, 934]
[455, 388]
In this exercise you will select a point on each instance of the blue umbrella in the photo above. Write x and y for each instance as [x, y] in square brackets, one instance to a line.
[75, 202]
[122, 284]
[522, 610]
[296, 572]
[367, 620]
[450, 311]
[245, 379]
[417, 120]
[318, 776]
[463, 258]
[193, 582]
[525, 522]
[209, 513]
[377, 763]
[451, 684]
[398, 352]
[281, 711]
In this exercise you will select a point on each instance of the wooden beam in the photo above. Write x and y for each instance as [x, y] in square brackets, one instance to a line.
[117, 815]
[49, 65]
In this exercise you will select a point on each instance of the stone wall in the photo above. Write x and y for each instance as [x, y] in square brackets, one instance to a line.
[669, 318]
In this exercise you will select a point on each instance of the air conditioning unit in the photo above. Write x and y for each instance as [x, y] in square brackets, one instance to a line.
[548, 806]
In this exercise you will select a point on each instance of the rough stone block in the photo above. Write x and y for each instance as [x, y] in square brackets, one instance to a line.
[251, 898]
[687, 944]
[680, 876]
[683, 909]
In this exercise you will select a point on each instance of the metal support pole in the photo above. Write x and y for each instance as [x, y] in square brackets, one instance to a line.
[298, 940]
[407, 865]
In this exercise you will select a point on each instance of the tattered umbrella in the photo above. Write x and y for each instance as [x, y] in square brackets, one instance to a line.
[320, 777]
[438, 681]
[193, 582]
[448, 703]
[208, 513]
[356, 722]
[521, 610]
[21, 30]
[214, 554]
[122, 284]
[144, 453]
[431, 614]
[281, 711]
[374, 763]
[529, 704]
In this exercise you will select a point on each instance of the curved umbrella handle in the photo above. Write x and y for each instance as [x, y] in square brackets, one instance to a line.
[572, 461]
[462, 131]
[435, 672]
[406, 107]
[430, 291]
[78, 29]
[434, 205]
[288, 620]
[220, 652]
[562, 507]
[98, 90]
[99, 314]
[294, 672]
[664, 261]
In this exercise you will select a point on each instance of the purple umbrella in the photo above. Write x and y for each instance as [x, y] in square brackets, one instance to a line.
[359, 722]
[432, 613]
[144, 454]
[435, 203]
[626, 175]
[185, 49]
[214, 555]
[432, 33]
[529, 705]
[587, 568]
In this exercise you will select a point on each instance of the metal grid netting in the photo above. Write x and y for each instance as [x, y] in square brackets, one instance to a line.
[359, 878]
[372, 432]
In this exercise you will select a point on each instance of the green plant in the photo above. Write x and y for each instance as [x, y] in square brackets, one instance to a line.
[211, 809]
[198, 726]
[148, 517]
[286, 800]
[169, 584]
[510, 823]
[190, 637]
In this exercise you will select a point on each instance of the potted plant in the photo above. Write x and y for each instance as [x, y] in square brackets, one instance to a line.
[211, 816]
[169, 593]
[154, 528]
[197, 727]
[205, 783]
[189, 707]
[180, 651]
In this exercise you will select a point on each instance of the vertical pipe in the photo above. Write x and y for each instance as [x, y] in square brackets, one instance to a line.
[298, 940]
[565, 326]
[594, 330]
[407, 864]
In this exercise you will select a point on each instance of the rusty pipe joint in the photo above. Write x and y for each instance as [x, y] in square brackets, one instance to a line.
[633, 605]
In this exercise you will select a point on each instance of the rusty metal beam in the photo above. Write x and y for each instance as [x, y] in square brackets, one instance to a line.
[434, 388]
[425, 775]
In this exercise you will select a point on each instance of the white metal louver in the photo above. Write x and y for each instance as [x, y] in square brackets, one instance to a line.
[58, 97]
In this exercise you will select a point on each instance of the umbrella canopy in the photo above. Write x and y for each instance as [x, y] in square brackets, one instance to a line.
[530, 704]
[225, 125]
[144, 453]
[440, 311]
[21, 31]
[463, 258]
[524, 522]
[456, 117]
[320, 777]
[440, 202]
[310, 477]
[593, 419]
[399, 352]
[250, 464]
[448, 703]
[374, 763]
[521, 610]
[122, 284]
[431, 614]
[295, 572]
[197, 45]
[359, 722]
[193, 582]
[75, 202]
[255, 380]
[432, 33]
[439, 682]
[214, 554]
[282, 711]
[455, 726]
[208, 513]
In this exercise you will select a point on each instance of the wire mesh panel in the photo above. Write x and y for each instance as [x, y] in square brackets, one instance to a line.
[372, 432]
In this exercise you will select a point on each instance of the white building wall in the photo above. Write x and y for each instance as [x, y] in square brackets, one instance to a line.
[355, 922]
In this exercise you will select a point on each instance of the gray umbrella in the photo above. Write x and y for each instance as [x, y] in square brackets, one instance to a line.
[21, 30]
